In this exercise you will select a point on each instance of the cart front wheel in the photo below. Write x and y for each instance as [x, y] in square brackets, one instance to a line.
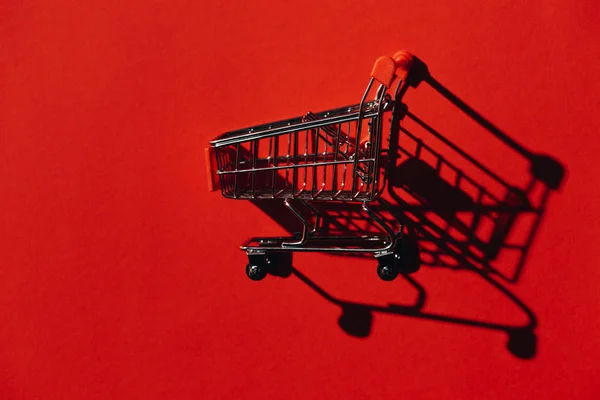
[255, 271]
[387, 271]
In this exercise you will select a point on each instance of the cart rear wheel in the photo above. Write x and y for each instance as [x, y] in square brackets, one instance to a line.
[256, 271]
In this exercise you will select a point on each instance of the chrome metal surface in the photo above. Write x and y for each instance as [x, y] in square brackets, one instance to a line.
[314, 157]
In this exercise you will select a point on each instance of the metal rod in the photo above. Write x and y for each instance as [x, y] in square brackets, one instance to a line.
[315, 155]
[254, 155]
[237, 166]
[275, 151]
[287, 171]
[317, 216]
[295, 170]
[294, 166]
[306, 156]
[304, 224]
[358, 130]
[245, 137]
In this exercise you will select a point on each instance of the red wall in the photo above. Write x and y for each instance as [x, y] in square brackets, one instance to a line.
[120, 275]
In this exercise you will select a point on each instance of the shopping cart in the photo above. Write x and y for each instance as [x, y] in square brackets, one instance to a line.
[329, 156]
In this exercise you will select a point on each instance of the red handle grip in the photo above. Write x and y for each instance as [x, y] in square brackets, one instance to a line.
[387, 68]
[211, 169]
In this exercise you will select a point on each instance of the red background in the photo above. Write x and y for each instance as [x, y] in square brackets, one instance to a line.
[120, 275]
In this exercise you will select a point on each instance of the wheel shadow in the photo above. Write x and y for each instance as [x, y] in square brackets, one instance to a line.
[455, 212]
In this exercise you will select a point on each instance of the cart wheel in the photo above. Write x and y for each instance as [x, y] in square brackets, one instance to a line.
[255, 271]
[258, 266]
[387, 271]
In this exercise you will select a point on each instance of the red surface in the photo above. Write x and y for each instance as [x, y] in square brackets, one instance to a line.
[120, 275]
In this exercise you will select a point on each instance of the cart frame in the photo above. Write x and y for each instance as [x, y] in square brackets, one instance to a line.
[329, 158]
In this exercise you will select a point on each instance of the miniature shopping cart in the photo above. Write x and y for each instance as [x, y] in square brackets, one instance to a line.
[330, 156]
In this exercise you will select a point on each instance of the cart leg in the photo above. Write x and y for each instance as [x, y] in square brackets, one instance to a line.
[388, 260]
[385, 226]
[304, 226]
[317, 217]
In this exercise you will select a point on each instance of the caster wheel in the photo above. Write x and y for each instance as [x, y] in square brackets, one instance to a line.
[255, 271]
[387, 271]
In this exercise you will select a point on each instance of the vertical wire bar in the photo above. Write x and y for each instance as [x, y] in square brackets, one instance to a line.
[314, 168]
[358, 132]
[230, 167]
[377, 150]
[254, 154]
[376, 142]
[357, 181]
[306, 157]
[275, 155]
[369, 154]
[347, 150]
[237, 170]
[287, 170]
[269, 163]
[335, 158]
[324, 168]
[294, 162]
[356, 157]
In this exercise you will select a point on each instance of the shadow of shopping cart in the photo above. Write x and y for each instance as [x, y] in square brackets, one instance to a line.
[455, 213]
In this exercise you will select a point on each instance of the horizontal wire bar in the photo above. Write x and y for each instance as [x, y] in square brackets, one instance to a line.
[318, 164]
